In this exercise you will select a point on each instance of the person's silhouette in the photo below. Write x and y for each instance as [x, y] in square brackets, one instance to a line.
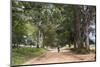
[58, 49]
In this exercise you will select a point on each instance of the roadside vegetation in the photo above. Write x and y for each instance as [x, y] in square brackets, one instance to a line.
[20, 55]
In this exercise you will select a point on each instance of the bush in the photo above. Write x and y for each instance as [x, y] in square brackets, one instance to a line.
[20, 55]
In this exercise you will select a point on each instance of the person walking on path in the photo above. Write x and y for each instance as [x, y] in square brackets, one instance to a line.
[58, 49]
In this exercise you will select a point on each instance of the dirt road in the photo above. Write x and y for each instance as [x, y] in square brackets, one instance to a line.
[53, 56]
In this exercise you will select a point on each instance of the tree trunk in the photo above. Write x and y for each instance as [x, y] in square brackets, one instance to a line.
[75, 44]
[87, 38]
[77, 27]
[86, 27]
[43, 44]
[40, 35]
[37, 40]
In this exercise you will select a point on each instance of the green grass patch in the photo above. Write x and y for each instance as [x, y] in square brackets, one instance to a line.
[21, 55]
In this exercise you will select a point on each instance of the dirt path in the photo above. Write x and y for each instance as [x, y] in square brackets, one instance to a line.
[53, 56]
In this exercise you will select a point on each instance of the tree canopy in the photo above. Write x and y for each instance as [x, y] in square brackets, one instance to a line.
[52, 25]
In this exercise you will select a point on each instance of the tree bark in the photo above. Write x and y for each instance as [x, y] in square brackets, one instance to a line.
[77, 27]
[87, 38]
[40, 35]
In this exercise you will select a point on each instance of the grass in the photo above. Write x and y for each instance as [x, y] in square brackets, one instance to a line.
[21, 55]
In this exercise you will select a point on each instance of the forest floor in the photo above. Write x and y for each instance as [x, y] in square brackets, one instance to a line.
[52, 56]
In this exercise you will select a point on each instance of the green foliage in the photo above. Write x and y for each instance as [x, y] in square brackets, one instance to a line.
[20, 55]
[30, 28]
[51, 24]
